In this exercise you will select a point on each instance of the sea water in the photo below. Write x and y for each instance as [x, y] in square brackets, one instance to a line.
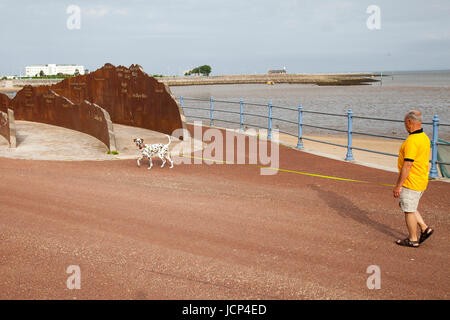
[398, 93]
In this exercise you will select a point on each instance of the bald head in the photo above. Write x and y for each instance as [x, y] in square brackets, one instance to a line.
[413, 121]
[414, 115]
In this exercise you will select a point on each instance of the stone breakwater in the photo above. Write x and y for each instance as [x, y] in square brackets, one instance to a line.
[318, 79]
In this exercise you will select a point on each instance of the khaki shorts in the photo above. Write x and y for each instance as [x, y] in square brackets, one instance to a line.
[409, 199]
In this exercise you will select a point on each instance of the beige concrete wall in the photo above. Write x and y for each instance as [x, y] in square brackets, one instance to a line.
[12, 129]
[8, 127]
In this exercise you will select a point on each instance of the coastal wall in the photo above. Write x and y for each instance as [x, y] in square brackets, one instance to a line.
[39, 105]
[7, 124]
[8, 127]
[318, 79]
[33, 82]
[4, 126]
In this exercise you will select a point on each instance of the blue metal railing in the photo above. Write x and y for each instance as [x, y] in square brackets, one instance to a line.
[300, 125]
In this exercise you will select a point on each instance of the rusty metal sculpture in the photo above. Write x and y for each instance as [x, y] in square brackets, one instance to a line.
[130, 96]
[90, 102]
[32, 104]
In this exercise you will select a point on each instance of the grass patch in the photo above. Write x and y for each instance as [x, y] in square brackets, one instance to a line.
[112, 152]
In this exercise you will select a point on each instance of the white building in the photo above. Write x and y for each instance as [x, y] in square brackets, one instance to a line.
[282, 71]
[53, 69]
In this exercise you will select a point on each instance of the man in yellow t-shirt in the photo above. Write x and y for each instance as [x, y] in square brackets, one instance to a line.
[413, 167]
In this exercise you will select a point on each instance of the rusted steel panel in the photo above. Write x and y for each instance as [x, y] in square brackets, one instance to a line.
[4, 102]
[45, 106]
[129, 95]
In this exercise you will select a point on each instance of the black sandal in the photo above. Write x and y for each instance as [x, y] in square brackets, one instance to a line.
[424, 235]
[408, 243]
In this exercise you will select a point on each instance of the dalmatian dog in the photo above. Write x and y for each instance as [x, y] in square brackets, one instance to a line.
[151, 150]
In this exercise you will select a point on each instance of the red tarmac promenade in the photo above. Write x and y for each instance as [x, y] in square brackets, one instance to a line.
[214, 231]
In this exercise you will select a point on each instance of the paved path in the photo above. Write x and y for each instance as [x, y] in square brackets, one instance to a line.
[39, 141]
[213, 232]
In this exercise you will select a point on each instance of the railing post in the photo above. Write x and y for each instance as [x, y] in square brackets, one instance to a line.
[212, 112]
[241, 114]
[300, 128]
[349, 156]
[181, 102]
[433, 169]
[269, 129]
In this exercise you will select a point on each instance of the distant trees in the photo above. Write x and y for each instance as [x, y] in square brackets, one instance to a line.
[41, 73]
[203, 70]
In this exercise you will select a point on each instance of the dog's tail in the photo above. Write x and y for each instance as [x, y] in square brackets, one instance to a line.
[169, 140]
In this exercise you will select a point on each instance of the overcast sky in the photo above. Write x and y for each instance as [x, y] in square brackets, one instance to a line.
[233, 36]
